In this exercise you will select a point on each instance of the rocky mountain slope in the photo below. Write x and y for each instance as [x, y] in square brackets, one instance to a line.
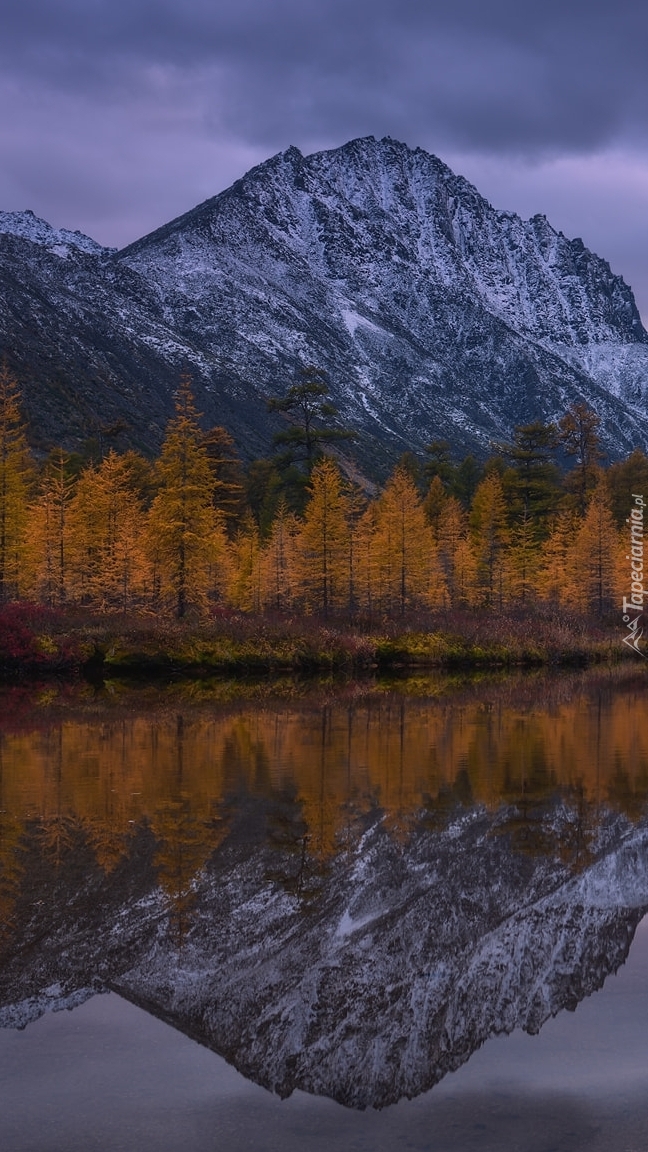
[434, 314]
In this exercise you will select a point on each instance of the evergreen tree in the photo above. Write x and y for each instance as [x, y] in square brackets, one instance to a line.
[439, 463]
[366, 561]
[523, 558]
[465, 481]
[623, 480]
[435, 503]
[578, 434]
[356, 506]
[532, 482]
[265, 490]
[309, 412]
[228, 478]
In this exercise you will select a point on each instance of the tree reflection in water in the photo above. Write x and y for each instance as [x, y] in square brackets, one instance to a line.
[344, 889]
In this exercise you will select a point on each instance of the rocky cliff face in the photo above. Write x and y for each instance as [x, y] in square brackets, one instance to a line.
[434, 314]
[366, 976]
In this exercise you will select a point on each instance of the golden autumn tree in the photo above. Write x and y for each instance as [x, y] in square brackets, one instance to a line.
[594, 556]
[456, 553]
[324, 540]
[488, 523]
[367, 576]
[184, 527]
[356, 507]
[553, 577]
[410, 574]
[524, 557]
[244, 586]
[107, 560]
[15, 482]
[48, 533]
[279, 561]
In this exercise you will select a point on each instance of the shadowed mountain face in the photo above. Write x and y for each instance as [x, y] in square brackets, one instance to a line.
[358, 936]
[433, 313]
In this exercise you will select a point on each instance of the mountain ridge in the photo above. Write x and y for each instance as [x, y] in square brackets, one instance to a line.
[432, 313]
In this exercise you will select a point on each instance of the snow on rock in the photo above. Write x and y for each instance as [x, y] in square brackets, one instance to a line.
[58, 240]
[434, 314]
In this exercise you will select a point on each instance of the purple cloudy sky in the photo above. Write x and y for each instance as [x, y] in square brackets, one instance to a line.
[116, 115]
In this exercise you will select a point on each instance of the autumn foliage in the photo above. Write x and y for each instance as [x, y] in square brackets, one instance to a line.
[175, 537]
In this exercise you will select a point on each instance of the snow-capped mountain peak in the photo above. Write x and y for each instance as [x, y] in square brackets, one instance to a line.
[432, 313]
[60, 240]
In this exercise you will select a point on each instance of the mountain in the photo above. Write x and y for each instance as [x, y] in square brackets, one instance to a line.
[435, 315]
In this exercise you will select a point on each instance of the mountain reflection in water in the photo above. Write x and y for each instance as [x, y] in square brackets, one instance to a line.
[345, 890]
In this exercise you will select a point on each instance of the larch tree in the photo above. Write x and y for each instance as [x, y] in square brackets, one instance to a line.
[183, 523]
[410, 573]
[244, 586]
[16, 476]
[594, 558]
[48, 533]
[456, 553]
[279, 561]
[488, 523]
[105, 531]
[323, 540]
[553, 577]
[367, 576]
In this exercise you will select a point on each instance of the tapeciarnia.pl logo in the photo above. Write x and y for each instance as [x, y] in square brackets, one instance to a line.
[633, 607]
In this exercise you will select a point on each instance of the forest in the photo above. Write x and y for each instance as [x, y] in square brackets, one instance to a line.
[194, 534]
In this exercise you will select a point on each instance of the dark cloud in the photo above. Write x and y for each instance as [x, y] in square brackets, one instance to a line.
[116, 115]
[499, 74]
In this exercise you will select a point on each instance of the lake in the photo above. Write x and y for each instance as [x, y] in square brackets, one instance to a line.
[325, 915]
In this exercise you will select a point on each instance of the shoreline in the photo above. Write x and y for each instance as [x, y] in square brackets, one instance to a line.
[37, 642]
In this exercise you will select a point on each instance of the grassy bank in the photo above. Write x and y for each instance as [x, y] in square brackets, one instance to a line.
[39, 641]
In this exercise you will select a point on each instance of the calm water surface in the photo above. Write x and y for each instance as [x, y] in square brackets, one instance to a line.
[349, 895]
